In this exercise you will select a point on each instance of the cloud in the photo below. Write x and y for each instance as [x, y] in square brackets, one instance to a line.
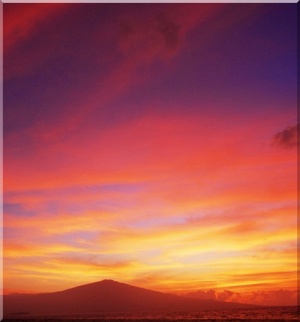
[288, 138]
[160, 33]
[92, 262]
[30, 250]
[228, 296]
[22, 21]
[22, 24]
[169, 31]
[157, 36]
[16, 209]
[205, 295]
[273, 297]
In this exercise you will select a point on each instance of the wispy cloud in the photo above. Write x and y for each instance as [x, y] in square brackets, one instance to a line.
[21, 24]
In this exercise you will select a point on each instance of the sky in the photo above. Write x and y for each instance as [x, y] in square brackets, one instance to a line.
[151, 144]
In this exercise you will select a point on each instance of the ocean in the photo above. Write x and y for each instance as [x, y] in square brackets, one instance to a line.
[250, 314]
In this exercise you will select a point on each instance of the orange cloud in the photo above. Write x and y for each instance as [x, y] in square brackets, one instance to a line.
[278, 297]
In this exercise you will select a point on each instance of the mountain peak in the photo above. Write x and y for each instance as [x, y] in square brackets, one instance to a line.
[109, 281]
[94, 286]
[106, 296]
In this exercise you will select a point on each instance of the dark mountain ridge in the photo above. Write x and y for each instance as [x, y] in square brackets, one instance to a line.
[106, 296]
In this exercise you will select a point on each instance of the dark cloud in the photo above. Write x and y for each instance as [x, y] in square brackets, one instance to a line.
[288, 138]
[155, 36]
[169, 31]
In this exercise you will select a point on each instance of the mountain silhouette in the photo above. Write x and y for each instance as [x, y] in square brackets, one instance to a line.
[106, 296]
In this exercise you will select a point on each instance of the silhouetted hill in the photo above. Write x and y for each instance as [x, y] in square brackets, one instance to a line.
[106, 296]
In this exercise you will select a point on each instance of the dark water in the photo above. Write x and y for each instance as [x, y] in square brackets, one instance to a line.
[260, 314]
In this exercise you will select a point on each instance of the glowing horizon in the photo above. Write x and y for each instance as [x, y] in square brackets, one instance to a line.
[152, 144]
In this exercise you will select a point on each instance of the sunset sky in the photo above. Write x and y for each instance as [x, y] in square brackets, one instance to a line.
[152, 144]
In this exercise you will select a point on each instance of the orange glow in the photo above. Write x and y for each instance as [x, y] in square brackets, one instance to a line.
[114, 168]
[214, 215]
